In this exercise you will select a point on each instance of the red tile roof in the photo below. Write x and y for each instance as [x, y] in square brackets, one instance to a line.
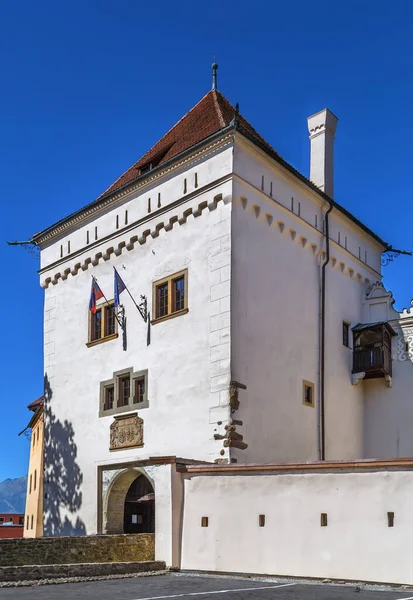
[36, 403]
[212, 114]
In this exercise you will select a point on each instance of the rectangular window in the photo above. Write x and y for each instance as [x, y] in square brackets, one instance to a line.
[178, 299]
[308, 393]
[162, 300]
[96, 325]
[110, 320]
[30, 484]
[21, 520]
[31, 527]
[35, 480]
[170, 296]
[346, 334]
[139, 391]
[109, 398]
[1, 519]
[124, 391]
[103, 323]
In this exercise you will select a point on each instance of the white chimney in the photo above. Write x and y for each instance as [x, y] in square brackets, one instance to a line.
[322, 128]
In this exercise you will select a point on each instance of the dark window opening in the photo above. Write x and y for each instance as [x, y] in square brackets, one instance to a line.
[162, 300]
[139, 392]
[346, 334]
[96, 325]
[178, 286]
[110, 319]
[124, 390]
[109, 397]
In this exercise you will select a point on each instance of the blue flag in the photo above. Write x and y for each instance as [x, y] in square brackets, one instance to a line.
[119, 287]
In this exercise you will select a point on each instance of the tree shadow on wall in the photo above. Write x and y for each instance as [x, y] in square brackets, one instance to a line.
[62, 475]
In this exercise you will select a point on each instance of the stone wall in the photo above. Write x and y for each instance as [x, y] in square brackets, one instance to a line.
[88, 570]
[83, 549]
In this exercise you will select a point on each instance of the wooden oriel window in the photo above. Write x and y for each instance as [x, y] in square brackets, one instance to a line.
[170, 296]
[124, 390]
[102, 324]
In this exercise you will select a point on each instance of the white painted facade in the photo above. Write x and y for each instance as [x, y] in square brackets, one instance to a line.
[251, 234]
[356, 544]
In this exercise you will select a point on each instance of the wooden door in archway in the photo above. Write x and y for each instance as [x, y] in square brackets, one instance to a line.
[139, 516]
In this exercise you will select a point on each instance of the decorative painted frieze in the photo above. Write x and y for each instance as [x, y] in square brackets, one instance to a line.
[405, 345]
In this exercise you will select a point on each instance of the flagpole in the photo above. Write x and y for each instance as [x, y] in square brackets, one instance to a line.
[144, 317]
[107, 302]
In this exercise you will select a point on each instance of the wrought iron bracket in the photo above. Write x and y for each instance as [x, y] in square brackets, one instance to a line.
[143, 307]
[389, 255]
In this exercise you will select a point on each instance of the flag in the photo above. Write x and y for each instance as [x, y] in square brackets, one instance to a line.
[95, 295]
[119, 287]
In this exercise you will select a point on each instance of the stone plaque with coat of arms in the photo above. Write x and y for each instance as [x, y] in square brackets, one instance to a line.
[126, 431]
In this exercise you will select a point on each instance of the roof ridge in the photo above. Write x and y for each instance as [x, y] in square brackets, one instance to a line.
[112, 186]
[217, 106]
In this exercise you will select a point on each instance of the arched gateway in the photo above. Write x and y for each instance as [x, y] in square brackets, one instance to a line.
[130, 506]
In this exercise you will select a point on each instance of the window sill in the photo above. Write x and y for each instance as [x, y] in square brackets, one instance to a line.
[101, 340]
[178, 313]
[118, 410]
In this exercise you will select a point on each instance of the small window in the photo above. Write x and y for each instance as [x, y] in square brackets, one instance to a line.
[170, 296]
[145, 168]
[346, 334]
[31, 526]
[308, 393]
[30, 484]
[109, 397]
[27, 522]
[21, 520]
[102, 324]
[124, 390]
[139, 390]
[35, 480]
[1, 519]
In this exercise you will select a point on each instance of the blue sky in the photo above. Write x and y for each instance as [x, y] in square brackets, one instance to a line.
[89, 85]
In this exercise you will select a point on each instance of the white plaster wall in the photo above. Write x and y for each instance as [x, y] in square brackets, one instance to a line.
[169, 185]
[389, 410]
[187, 360]
[357, 543]
[275, 322]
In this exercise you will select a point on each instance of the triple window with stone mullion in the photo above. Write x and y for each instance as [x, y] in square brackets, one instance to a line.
[125, 391]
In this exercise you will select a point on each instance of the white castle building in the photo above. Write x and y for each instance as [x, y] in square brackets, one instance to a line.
[269, 336]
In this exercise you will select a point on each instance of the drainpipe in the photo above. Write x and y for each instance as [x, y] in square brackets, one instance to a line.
[322, 452]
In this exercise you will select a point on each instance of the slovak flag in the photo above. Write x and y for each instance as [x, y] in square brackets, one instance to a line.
[119, 287]
[95, 295]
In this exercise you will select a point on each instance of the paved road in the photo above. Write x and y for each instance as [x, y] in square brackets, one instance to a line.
[190, 587]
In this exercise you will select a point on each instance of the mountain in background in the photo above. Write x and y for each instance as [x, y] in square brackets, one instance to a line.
[13, 495]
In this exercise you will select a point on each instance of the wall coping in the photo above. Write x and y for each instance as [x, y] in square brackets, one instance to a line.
[336, 465]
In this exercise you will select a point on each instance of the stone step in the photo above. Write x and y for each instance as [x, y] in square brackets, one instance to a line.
[41, 572]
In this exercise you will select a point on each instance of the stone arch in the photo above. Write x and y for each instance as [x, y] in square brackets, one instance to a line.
[114, 502]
